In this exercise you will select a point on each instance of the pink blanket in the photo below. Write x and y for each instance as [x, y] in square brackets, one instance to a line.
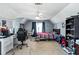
[45, 35]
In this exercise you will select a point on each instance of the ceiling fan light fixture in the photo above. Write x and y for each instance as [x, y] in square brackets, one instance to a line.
[37, 17]
[40, 14]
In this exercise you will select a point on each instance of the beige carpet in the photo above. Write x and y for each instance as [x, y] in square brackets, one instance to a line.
[41, 48]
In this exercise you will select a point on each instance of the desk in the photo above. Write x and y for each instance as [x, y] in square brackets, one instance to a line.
[6, 44]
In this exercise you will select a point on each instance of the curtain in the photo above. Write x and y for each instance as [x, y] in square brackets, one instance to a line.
[43, 29]
[34, 28]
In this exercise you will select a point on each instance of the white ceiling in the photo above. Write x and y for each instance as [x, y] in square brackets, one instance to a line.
[71, 10]
[28, 10]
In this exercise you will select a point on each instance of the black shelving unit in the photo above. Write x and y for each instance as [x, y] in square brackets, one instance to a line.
[72, 29]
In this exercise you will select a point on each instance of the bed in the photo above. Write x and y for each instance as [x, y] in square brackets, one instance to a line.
[45, 36]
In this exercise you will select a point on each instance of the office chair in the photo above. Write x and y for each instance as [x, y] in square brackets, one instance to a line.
[22, 36]
[22, 44]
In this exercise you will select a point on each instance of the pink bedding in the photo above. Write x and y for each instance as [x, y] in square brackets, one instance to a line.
[45, 35]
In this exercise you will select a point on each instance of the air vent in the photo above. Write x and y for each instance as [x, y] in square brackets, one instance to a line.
[38, 3]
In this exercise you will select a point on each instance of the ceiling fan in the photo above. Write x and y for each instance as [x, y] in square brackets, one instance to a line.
[39, 14]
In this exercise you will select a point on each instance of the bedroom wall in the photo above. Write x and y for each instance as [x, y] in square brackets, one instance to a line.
[62, 29]
[48, 25]
[16, 24]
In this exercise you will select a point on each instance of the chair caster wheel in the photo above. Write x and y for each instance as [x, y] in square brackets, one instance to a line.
[21, 47]
[27, 46]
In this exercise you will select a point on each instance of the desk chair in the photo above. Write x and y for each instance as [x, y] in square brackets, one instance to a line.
[22, 44]
[22, 36]
[22, 39]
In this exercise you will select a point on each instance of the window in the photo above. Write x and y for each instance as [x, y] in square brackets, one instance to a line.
[39, 27]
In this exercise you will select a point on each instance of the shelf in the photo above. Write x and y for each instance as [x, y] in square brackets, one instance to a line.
[70, 35]
[69, 24]
[70, 29]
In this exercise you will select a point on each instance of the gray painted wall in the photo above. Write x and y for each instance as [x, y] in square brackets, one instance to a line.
[48, 25]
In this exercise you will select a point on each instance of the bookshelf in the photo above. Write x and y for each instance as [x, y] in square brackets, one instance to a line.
[72, 29]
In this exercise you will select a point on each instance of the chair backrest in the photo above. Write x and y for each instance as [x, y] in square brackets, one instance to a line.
[20, 33]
